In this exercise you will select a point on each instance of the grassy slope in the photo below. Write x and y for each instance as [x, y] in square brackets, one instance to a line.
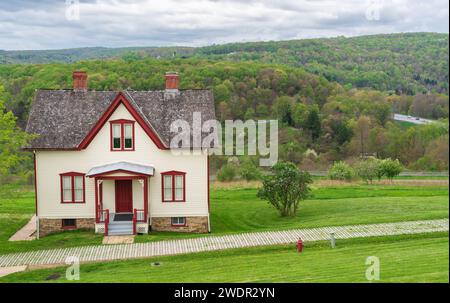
[235, 211]
[413, 258]
[16, 208]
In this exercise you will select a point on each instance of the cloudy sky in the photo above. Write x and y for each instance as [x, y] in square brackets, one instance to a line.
[54, 24]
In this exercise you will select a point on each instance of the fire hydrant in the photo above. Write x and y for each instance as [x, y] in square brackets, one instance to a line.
[299, 245]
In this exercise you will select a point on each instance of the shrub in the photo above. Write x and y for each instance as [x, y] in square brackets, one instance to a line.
[391, 168]
[341, 171]
[369, 169]
[226, 173]
[285, 188]
[249, 171]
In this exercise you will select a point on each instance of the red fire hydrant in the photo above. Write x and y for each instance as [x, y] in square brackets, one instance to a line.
[299, 245]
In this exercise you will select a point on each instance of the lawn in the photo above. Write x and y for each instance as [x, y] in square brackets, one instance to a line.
[412, 258]
[16, 209]
[238, 210]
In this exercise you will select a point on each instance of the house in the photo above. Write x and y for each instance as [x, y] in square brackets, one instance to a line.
[103, 160]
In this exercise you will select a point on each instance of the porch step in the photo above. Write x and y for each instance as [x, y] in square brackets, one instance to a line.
[120, 228]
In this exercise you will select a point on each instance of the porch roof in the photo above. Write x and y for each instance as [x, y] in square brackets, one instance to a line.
[122, 166]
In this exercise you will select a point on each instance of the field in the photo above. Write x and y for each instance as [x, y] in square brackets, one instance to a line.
[417, 258]
[237, 210]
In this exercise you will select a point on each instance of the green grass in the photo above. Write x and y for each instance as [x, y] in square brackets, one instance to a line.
[238, 210]
[412, 258]
[17, 206]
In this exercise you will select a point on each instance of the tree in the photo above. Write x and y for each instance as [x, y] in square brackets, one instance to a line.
[369, 169]
[361, 130]
[283, 109]
[341, 171]
[249, 171]
[285, 188]
[226, 173]
[12, 138]
[312, 122]
[391, 168]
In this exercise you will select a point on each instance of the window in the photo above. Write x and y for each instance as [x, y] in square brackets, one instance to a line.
[69, 223]
[122, 135]
[178, 221]
[72, 188]
[173, 186]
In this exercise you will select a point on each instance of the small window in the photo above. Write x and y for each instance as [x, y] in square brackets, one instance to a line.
[168, 188]
[178, 221]
[122, 135]
[117, 135]
[128, 136]
[173, 186]
[72, 187]
[69, 223]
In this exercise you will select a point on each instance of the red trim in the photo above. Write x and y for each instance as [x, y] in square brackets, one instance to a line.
[122, 123]
[119, 171]
[145, 199]
[35, 184]
[72, 175]
[120, 99]
[173, 173]
[96, 201]
[121, 177]
[68, 227]
[178, 225]
[100, 193]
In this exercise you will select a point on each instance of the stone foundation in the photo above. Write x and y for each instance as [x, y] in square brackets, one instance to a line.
[193, 225]
[47, 226]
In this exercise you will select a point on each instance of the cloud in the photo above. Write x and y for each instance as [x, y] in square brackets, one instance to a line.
[26, 24]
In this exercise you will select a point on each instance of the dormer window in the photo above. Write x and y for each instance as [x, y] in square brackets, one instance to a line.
[122, 135]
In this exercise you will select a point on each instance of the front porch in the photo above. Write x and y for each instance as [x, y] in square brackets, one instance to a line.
[121, 198]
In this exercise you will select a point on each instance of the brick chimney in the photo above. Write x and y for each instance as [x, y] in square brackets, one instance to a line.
[79, 81]
[172, 81]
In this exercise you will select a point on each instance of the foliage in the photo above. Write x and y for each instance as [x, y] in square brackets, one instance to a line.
[285, 188]
[227, 173]
[369, 169]
[12, 139]
[339, 120]
[391, 168]
[341, 171]
[249, 171]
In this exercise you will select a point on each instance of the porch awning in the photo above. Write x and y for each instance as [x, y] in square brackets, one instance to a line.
[122, 166]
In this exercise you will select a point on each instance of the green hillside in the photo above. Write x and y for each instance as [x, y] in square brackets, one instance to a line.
[403, 63]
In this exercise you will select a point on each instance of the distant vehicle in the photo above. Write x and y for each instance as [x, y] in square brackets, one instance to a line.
[417, 118]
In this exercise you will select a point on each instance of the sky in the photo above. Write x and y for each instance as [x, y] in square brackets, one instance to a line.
[57, 24]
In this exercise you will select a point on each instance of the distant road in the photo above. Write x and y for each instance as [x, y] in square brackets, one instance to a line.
[411, 119]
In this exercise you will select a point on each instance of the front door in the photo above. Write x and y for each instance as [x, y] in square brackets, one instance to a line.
[124, 196]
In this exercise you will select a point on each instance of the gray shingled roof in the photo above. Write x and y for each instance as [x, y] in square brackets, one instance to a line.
[63, 118]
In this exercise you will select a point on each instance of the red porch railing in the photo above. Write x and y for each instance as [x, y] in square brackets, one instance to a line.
[138, 216]
[103, 217]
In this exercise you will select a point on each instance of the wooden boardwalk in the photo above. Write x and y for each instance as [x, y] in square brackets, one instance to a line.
[210, 243]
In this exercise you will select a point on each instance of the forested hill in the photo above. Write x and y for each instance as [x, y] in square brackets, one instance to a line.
[406, 63]
[402, 63]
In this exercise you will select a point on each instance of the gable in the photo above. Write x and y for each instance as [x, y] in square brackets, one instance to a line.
[121, 100]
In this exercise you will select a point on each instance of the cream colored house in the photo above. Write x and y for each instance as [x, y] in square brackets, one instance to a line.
[103, 162]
